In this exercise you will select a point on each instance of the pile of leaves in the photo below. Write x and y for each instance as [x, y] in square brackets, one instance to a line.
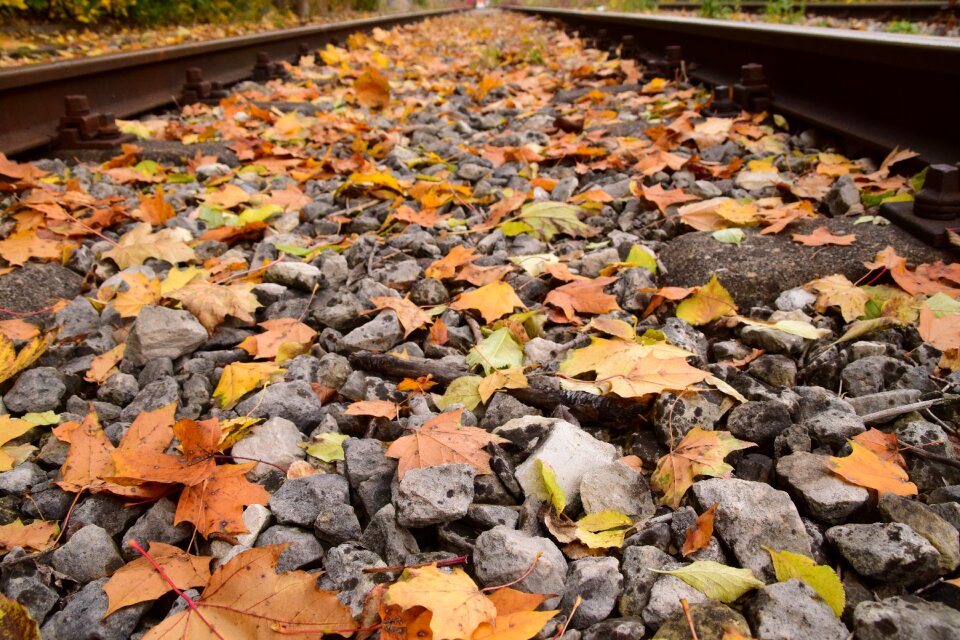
[337, 187]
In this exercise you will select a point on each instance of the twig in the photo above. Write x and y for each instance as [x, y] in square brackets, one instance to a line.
[934, 457]
[893, 412]
[686, 612]
[520, 579]
[449, 562]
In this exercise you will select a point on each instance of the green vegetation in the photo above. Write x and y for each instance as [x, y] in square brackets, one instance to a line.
[156, 12]
[783, 11]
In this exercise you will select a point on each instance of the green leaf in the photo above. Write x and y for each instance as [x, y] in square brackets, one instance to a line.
[256, 215]
[874, 199]
[212, 216]
[733, 235]
[716, 580]
[863, 327]
[147, 167]
[603, 529]
[941, 304]
[544, 220]
[641, 257]
[294, 250]
[917, 181]
[499, 350]
[41, 419]
[462, 390]
[181, 178]
[880, 221]
[549, 478]
[327, 446]
[820, 578]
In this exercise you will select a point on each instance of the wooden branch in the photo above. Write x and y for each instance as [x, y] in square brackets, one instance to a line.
[542, 393]
[886, 414]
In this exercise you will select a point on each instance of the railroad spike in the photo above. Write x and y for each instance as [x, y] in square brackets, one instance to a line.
[265, 69]
[935, 208]
[752, 92]
[81, 128]
[196, 89]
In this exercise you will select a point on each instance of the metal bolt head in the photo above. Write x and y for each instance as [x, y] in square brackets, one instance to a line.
[940, 196]
[77, 105]
[674, 53]
[751, 74]
[194, 75]
[263, 58]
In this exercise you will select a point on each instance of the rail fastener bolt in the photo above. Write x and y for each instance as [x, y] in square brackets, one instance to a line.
[81, 128]
[935, 208]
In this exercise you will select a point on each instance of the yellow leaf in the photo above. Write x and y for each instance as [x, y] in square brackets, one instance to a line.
[837, 290]
[716, 580]
[140, 244]
[459, 607]
[13, 362]
[10, 428]
[603, 529]
[240, 378]
[140, 292]
[554, 491]
[493, 301]
[511, 378]
[820, 578]
[211, 302]
[865, 468]
[709, 303]
[700, 453]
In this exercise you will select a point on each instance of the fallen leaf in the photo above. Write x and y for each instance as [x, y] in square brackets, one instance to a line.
[552, 488]
[410, 316]
[90, 457]
[823, 236]
[603, 529]
[885, 445]
[499, 350]
[211, 302]
[942, 332]
[13, 362]
[821, 578]
[544, 220]
[141, 291]
[20, 246]
[517, 618]
[372, 88]
[584, 296]
[216, 504]
[11, 428]
[105, 365]
[837, 290]
[153, 209]
[327, 446]
[138, 581]
[240, 378]
[709, 303]
[282, 334]
[662, 198]
[140, 244]
[697, 535]
[441, 440]
[865, 468]
[15, 620]
[17, 329]
[246, 598]
[493, 301]
[374, 409]
[37, 536]
[715, 580]
[511, 378]
[700, 453]
[447, 266]
[464, 390]
[459, 606]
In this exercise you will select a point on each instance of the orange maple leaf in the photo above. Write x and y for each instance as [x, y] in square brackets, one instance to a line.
[372, 88]
[697, 535]
[865, 468]
[216, 504]
[663, 198]
[37, 535]
[410, 316]
[153, 209]
[447, 266]
[441, 440]
[373, 408]
[823, 236]
[885, 445]
[279, 332]
[138, 581]
[585, 296]
[493, 301]
[700, 453]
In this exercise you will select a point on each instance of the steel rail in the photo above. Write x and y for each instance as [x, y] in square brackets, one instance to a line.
[874, 90]
[913, 11]
[125, 84]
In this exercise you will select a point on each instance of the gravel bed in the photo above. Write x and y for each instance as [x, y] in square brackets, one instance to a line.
[479, 226]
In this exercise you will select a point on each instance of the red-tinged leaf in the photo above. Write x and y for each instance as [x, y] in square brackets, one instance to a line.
[699, 533]
[584, 296]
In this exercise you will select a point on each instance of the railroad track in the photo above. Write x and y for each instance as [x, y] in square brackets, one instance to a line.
[876, 91]
[913, 11]
[32, 97]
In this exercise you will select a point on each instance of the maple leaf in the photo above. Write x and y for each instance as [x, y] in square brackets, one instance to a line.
[154, 209]
[90, 457]
[493, 301]
[284, 335]
[17, 329]
[700, 453]
[216, 504]
[447, 266]
[517, 618]
[19, 170]
[211, 302]
[710, 302]
[410, 316]
[140, 244]
[21, 245]
[240, 378]
[698, 535]
[199, 441]
[511, 378]
[373, 408]
[837, 290]
[585, 296]
[11, 428]
[37, 535]
[459, 606]
[141, 291]
[441, 440]
[246, 598]
[662, 198]
[497, 351]
[138, 581]
[943, 332]
[372, 88]
[228, 197]
[885, 445]
[105, 365]
[823, 236]
[479, 276]
[543, 220]
[865, 468]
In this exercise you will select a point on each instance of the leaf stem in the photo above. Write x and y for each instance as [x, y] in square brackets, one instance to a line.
[163, 574]
[449, 562]
[520, 579]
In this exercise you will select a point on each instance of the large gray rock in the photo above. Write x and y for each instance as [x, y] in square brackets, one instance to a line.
[294, 401]
[304, 549]
[385, 537]
[690, 259]
[369, 471]
[502, 555]
[154, 395]
[821, 493]
[665, 596]
[434, 495]
[35, 286]
[32, 592]
[300, 500]
[674, 416]
[296, 275]
[750, 516]
[82, 617]
[159, 332]
[924, 521]
[379, 334]
[833, 427]
[36, 390]
[275, 441]
[638, 579]
[344, 565]
[928, 475]
[90, 554]
[758, 422]
[156, 525]
[616, 487]
[790, 610]
[571, 452]
[886, 552]
[908, 618]
[597, 582]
